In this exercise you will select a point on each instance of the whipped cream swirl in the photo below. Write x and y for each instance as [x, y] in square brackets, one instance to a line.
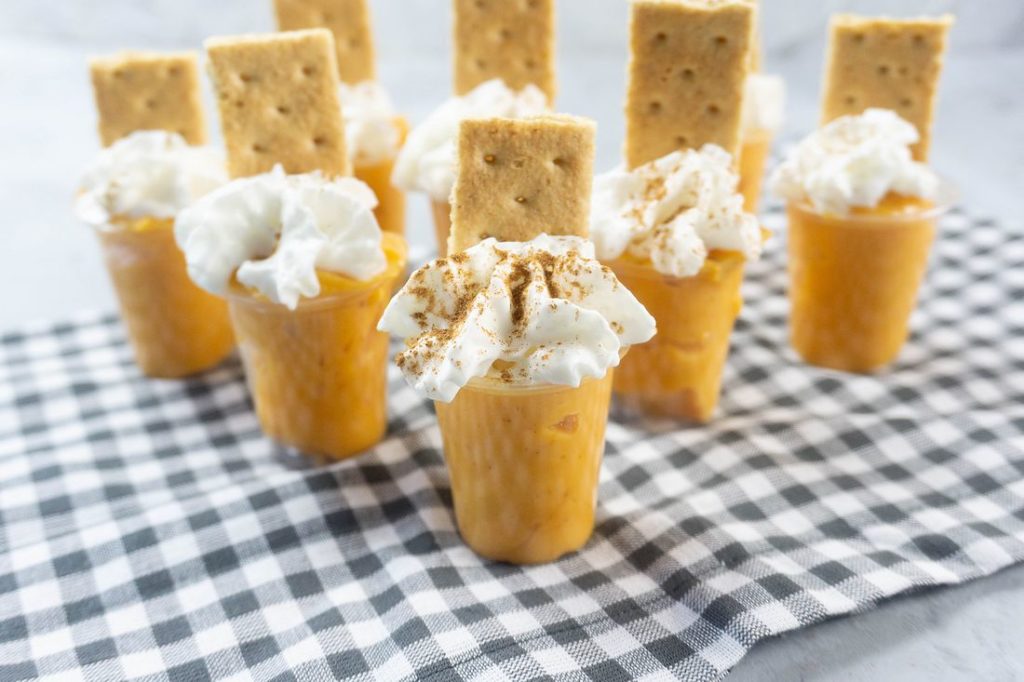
[274, 231]
[426, 162]
[537, 312]
[148, 174]
[855, 161]
[370, 133]
[673, 211]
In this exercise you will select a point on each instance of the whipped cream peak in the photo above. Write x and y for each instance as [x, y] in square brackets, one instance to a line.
[673, 211]
[855, 161]
[148, 174]
[274, 231]
[371, 135]
[523, 313]
[427, 160]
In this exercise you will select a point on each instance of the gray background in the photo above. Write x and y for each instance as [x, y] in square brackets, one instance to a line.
[50, 266]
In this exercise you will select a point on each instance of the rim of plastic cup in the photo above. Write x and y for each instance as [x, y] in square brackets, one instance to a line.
[946, 198]
[492, 385]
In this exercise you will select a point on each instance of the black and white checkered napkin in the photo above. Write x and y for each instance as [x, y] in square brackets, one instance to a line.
[147, 530]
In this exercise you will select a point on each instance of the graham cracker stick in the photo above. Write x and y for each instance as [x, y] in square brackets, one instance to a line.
[349, 22]
[887, 63]
[278, 100]
[513, 40]
[148, 91]
[518, 178]
[688, 65]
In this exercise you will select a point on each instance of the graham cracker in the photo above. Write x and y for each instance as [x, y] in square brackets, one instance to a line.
[148, 91]
[513, 40]
[886, 63]
[278, 100]
[348, 20]
[689, 61]
[518, 178]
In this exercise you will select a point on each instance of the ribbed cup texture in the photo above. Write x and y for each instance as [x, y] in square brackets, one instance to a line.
[853, 285]
[175, 328]
[318, 374]
[524, 465]
[678, 373]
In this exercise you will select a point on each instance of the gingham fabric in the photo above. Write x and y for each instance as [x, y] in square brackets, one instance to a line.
[147, 530]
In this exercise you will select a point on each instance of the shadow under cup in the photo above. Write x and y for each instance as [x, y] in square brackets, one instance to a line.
[854, 280]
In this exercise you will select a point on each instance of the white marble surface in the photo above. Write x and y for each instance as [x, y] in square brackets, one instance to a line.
[50, 266]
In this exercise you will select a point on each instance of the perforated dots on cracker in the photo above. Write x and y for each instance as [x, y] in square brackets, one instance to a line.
[513, 40]
[689, 61]
[886, 63]
[518, 178]
[348, 21]
[148, 91]
[278, 100]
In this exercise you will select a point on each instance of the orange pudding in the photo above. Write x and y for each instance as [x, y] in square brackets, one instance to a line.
[390, 211]
[854, 280]
[753, 156]
[524, 462]
[175, 328]
[318, 374]
[678, 373]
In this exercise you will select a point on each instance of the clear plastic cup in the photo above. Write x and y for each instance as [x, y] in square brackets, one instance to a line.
[175, 328]
[390, 211]
[524, 463]
[318, 374]
[442, 225]
[753, 157]
[854, 279]
[678, 373]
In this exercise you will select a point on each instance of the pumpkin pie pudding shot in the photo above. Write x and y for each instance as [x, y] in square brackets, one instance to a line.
[503, 63]
[293, 245]
[862, 215]
[374, 132]
[764, 105]
[515, 339]
[670, 222]
[764, 108]
[151, 118]
[862, 205]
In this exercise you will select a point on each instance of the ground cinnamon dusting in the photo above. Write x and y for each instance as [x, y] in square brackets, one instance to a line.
[562, 278]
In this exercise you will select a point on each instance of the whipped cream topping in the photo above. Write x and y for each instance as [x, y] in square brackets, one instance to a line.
[537, 312]
[855, 161]
[673, 211]
[764, 104]
[274, 231]
[426, 162]
[148, 174]
[370, 133]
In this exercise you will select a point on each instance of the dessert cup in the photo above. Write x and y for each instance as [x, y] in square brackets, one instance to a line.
[753, 156]
[442, 225]
[175, 328]
[318, 374]
[390, 211]
[854, 280]
[678, 373]
[524, 462]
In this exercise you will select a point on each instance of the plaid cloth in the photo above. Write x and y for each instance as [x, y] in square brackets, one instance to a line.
[147, 530]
